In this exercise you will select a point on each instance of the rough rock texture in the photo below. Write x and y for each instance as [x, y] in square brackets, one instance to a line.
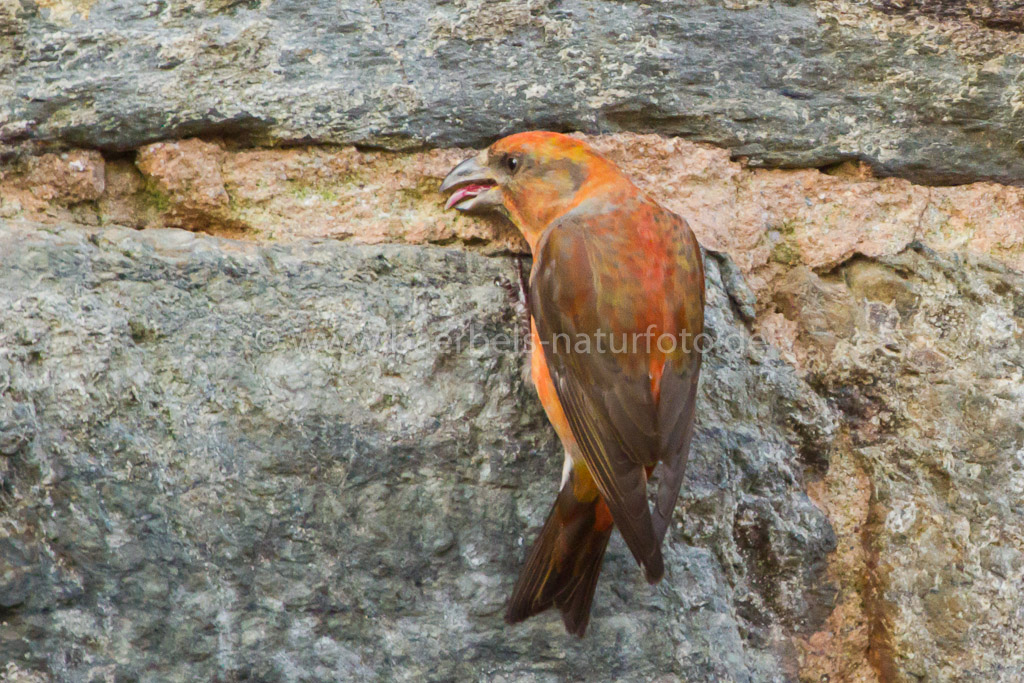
[280, 194]
[923, 354]
[766, 219]
[927, 90]
[899, 310]
[266, 457]
[317, 461]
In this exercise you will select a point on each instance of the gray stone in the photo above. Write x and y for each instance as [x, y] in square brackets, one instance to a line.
[929, 382]
[320, 461]
[917, 89]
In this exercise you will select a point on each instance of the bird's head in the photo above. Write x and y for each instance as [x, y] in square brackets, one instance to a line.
[531, 178]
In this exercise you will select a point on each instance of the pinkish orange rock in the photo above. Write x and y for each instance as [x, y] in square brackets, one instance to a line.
[762, 218]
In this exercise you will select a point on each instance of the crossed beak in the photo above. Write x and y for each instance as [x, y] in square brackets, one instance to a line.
[476, 188]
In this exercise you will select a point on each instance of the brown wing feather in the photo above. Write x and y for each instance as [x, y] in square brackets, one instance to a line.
[607, 397]
[678, 399]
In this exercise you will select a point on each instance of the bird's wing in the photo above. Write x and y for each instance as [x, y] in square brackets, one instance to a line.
[587, 283]
[676, 410]
[681, 374]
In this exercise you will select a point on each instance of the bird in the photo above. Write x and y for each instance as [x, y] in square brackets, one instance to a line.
[616, 303]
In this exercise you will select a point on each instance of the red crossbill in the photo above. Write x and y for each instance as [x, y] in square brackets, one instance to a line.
[616, 299]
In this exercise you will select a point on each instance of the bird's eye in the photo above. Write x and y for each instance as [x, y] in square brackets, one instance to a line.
[511, 163]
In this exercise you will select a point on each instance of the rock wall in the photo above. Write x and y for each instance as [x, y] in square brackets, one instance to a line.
[263, 413]
[230, 461]
[928, 89]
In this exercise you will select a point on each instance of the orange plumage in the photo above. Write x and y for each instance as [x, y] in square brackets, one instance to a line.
[617, 305]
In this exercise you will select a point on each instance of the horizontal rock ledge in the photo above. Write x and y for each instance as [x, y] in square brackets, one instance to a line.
[767, 220]
[913, 89]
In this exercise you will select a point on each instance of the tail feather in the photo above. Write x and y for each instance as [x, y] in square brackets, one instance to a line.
[564, 563]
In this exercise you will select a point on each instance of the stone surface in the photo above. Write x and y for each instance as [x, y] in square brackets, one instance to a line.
[767, 220]
[927, 90]
[315, 461]
[923, 354]
[252, 459]
[894, 308]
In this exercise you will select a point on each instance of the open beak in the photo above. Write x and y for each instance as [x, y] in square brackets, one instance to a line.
[475, 187]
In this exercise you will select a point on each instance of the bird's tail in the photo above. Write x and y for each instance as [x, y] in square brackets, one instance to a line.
[564, 562]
